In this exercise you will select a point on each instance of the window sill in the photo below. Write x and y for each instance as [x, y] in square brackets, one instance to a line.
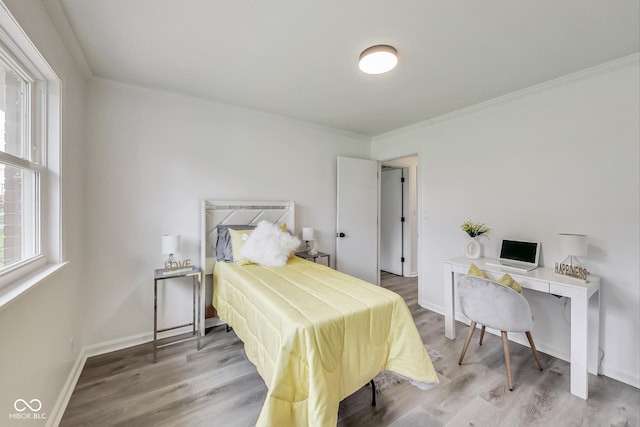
[14, 290]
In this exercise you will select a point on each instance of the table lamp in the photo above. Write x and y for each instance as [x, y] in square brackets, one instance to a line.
[572, 246]
[312, 244]
[170, 244]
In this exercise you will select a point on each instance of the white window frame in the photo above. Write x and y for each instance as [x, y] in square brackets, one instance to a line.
[47, 127]
[33, 146]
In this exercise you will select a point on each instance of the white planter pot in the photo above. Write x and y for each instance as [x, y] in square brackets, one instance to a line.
[472, 249]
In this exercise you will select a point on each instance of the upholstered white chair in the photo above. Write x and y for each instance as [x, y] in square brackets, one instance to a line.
[499, 307]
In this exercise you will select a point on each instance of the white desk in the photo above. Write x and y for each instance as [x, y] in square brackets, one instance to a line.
[585, 311]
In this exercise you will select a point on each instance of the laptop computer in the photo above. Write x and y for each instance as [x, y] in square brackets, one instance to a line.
[517, 255]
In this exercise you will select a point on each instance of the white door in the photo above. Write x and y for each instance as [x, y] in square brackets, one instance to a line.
[391, 217]
[357, 218]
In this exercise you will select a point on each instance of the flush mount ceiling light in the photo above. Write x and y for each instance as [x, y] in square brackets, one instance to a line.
[378, 59]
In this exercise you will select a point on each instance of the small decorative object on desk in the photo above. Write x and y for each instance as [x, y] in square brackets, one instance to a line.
[472, 248]
[170, 244]
[573, 246]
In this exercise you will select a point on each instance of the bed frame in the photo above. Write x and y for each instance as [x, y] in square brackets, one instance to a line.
[245, 212]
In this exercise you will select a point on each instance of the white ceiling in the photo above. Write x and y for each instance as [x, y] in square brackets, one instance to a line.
[298, 58]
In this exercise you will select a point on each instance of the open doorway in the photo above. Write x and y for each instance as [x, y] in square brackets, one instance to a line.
[398, 217]
[393, 208]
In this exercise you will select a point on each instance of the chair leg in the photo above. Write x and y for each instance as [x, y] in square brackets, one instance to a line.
[507, 360]
[533, 348]
[472, 327]
[481, 334]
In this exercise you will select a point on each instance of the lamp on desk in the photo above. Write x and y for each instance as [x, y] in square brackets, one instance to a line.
[312, 243]
[572, 246]
[170, 244]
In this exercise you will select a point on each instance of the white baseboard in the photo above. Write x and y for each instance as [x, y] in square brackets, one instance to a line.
[212, 321]
[432, 307]
[623, 377]
[67, 390]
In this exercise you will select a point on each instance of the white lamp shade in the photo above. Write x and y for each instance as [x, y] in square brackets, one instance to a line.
[170, 243]
[307, 233]
[378, 59]
[573, 244]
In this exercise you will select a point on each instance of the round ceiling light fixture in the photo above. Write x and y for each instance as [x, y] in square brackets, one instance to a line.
[378, 59]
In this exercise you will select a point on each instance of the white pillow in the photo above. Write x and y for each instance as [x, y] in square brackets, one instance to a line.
[268, 245]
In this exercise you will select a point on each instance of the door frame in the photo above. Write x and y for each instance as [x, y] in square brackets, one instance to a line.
[419, 202]
[419, 210]
[401, 228]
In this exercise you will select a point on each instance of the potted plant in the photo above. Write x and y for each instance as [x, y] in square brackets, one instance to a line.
[474, 229]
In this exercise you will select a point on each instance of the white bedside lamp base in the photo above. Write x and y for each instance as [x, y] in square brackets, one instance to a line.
[312, 243]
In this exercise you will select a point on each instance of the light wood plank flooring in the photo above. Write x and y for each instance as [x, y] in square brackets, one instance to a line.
[219, 386]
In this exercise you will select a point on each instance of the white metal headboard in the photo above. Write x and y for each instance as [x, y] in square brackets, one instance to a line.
[248, 212]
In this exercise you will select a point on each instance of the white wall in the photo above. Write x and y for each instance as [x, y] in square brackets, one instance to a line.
[152, 156]
[35, 329]
[562, 157]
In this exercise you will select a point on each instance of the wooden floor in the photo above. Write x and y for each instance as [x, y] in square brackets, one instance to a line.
[218, 386]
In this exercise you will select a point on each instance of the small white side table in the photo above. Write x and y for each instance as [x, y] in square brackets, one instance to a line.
[315, 257]
[160, 274]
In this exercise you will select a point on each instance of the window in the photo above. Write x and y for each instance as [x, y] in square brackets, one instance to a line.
[20, 168]
[30, 243]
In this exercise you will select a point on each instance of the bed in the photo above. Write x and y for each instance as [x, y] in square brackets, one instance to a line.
[314, 334]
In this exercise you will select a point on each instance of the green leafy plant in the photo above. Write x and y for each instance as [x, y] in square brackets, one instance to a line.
[474, 229]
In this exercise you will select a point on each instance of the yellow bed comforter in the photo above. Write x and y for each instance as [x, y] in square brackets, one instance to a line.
[316, 336]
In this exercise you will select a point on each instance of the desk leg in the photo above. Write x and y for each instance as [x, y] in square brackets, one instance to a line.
[449, 303]
[155, 320]
[198, 287]
[579, 345]
[594, 333]
[193, 322]
[202, 295]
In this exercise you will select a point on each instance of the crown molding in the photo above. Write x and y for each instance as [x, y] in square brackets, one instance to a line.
[633, 59]
[290, 121]
[65, 29]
